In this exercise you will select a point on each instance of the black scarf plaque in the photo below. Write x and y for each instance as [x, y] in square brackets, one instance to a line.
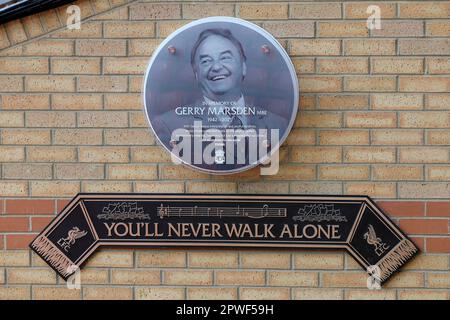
[353, 223]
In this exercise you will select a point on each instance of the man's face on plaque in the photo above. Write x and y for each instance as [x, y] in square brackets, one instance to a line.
[220, 68]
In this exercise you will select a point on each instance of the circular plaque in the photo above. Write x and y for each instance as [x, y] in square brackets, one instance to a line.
[221, 95]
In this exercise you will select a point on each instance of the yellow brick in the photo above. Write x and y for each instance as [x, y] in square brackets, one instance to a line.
[138, 119]
[23, 65]
[406, 280]
[437, 102]
[210, 187]
[107, 293]
[397, 137]
[143, 47]
[344, 279]
[423, 155]
[266, 260]
[304, 65]
[13, 188]
[4, 42]
[101, 5]
[370, 119]
[51, 154]
[11, 119]
[426, 119]
[50, 83]
[320, 84]
[132, 172]
[397, 101]
[312, 261]
[49, 47]
[125, 101]
[151, 11]
[159, 187]
[397, 65]
[31, 276]
[177, 172]
[129, 65]
[79, 171]
[211, 293]
[263, 188]
[423, 294]
[263, 11]
[103, 154]
[54, 188]
[315, 47]
[100, 47]
[161, 258]
[50, 119]
[55, 293]
[358, 10]
[316, 154]
[294, 172]
[50, 20]
[102, 83]
[344, 172]
[27, 171]
[440, 137]
[188, 277]
[424, 10]
[316, 294]
[341, 102]
[136, 277]
[118, 14]
[343, 137]
[14, 258]
[32, 25]
[343, 65]
[102, 119]
[106, 186]
[11, 154]
[128, 137]
[428, 46]
[264, 293]
[149, 154]
[319, 120]
[14, 293]
[25, 101]
[213, 259]
[438, 28]
[90, 29]
[369, 154]
[375, 190]
[247, 278]
[129, 29]
[400, 29]
[428, 262]
[94, 276]
[315, 188]
[159, 293]
[397, 172]
[11, 83]
[110, 259]
[293, 278]
[77, 101]
[423, 190]
[301, 137]
[197, 10]
[424, 84]
[77, 136]
[369, 47]
[16, 32]
[342, 29]
[315, 11]
[283, 29]
[25, 136]
[369, 83]
[438, 173]
[438, 65]
[76, 66]
[366, 294]
[165, 28]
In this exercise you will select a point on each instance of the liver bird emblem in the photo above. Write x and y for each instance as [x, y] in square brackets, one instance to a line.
[371, 237]
[74, 234]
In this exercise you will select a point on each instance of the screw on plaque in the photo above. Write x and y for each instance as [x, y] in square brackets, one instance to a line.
[265, 49]
[171, 49]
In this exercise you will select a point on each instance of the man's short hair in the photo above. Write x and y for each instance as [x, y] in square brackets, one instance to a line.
[219, 32]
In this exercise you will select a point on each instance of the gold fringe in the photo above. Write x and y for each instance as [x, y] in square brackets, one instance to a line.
[52, 255]
[401, 253]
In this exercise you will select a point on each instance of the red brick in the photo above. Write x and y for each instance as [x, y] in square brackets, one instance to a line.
[1, 205]
[18, 241]
[2, 246]
[438, 209]
[403, 208]
[424, 226]
[30, 207]
[419, 242]
[438, 245]
[8, 224]
[39, 223]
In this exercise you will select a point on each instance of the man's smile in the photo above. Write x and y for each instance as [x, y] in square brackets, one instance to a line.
[218, 77]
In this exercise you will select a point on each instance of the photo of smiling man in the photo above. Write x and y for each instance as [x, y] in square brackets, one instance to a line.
[228, 113]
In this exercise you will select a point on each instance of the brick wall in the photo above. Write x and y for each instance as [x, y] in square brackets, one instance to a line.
[374, 119]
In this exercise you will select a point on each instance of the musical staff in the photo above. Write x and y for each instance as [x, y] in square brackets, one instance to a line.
[195, 211]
